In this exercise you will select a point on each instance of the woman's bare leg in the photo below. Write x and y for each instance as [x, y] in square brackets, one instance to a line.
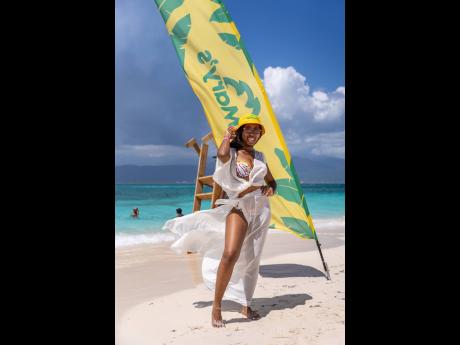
[235, 231]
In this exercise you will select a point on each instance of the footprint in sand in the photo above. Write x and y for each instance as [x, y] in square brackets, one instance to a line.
[288, 286]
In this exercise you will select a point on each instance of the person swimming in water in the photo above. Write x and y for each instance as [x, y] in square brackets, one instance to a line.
[135, 212]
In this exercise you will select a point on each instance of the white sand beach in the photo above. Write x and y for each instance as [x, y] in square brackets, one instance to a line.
[160, 297]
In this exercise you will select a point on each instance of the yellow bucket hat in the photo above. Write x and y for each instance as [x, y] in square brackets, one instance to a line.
[250, 119]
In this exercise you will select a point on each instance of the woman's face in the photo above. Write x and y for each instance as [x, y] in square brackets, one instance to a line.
[251, 134]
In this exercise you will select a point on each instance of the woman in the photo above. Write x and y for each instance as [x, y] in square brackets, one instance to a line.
[232, 235]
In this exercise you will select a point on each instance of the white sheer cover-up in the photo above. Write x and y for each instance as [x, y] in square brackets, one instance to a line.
[204, 231]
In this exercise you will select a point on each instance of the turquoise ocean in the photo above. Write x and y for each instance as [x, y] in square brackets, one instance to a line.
[158, 202]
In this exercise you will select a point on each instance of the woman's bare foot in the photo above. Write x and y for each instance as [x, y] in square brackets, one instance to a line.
[217, 317]
[249, 313]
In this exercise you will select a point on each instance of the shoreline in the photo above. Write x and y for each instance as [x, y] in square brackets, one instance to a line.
[125, 239]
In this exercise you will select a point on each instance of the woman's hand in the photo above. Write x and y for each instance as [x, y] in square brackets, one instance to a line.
[267, 191]
[223, 153]
[230, 134]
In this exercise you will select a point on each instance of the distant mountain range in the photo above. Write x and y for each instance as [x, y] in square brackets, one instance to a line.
[309, 170]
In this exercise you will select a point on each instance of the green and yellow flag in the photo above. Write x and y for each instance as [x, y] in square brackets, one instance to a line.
[223, 76]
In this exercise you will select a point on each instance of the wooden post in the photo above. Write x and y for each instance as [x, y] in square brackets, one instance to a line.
[202, 180]
[200, 173]
[207, 137]
[192, 143]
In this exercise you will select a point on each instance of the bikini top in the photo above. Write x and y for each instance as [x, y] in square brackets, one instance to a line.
[243, 169]
[226, 174]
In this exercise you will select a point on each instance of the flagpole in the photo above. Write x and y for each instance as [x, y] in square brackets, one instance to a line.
[326, 268]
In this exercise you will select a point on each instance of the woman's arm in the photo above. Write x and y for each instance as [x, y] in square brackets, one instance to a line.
[223, 153]
[248, 190]
[270, 189]
[267, 190]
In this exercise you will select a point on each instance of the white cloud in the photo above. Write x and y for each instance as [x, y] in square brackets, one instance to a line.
[312, 120]
[327, 144]
[287, 90]
[291, 98]
[154, 155]
[341, 90]
[330, 144]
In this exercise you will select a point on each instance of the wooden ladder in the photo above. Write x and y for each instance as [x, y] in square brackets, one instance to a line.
[201, 179]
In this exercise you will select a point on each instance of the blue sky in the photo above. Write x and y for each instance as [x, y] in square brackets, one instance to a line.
[297, 47]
